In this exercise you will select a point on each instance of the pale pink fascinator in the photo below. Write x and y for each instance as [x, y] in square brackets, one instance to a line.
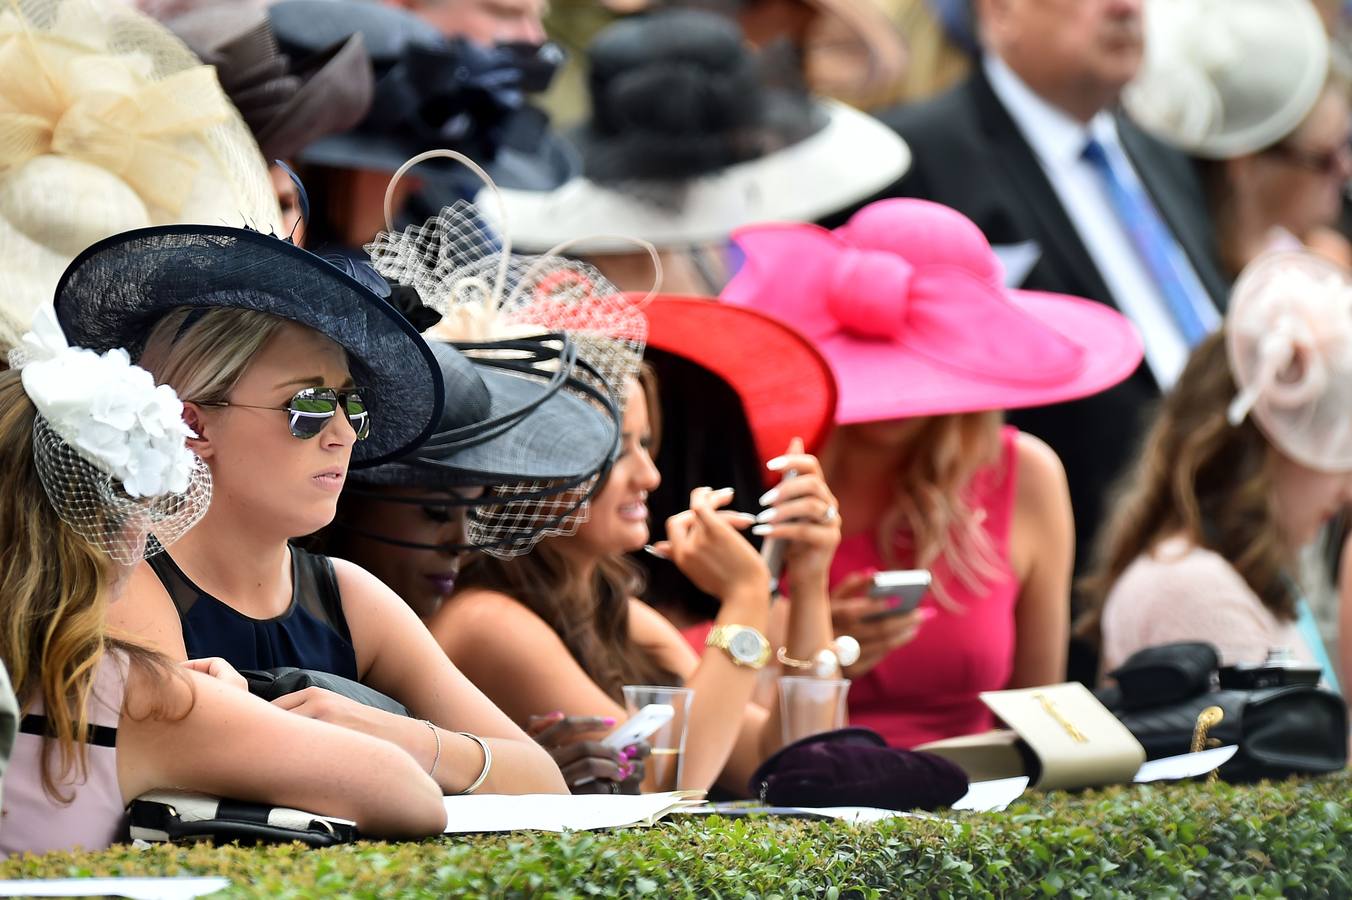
[1289, 341]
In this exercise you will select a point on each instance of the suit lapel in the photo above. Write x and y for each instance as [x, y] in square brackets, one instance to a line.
[1036, 203]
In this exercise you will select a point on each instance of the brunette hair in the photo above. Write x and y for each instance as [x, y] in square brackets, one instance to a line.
[53, 601]
[1204, 479]
[931, 516]
[590, 616]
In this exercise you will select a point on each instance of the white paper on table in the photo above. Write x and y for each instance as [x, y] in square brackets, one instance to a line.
[175, 888]
[1189, 765]
[992, 796]
[560, 812]
[1017, 260]
[856, 814]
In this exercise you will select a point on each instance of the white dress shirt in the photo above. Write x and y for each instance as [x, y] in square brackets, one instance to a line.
[1058, 142]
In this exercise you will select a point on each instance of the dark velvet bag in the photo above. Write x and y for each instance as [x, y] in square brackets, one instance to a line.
[270, 684]
[855, 767]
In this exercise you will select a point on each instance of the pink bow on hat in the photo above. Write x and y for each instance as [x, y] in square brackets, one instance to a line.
[906, 301]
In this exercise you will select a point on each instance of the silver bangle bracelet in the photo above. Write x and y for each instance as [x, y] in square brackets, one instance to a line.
[488, 761]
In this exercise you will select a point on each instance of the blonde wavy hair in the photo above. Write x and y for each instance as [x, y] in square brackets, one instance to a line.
[53, 602]
[203, 357]
[931, 519]
[1204, 479]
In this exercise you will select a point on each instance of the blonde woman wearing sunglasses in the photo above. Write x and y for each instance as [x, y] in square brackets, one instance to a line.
[266, 343]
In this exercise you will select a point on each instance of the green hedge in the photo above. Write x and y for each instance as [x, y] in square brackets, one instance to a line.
[1292, 839]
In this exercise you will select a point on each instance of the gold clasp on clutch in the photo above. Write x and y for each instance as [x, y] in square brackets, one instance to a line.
[1076, 734]
[1207, 719]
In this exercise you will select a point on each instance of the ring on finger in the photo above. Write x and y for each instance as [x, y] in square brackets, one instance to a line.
[831, 513]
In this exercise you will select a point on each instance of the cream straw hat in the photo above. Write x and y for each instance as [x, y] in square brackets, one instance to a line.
[108, 123]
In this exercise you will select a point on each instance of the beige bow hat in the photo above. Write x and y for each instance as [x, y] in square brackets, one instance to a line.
[1288, 331]
[108, 123]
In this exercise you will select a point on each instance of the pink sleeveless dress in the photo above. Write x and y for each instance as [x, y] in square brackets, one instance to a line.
[33, 822]
[927, 689]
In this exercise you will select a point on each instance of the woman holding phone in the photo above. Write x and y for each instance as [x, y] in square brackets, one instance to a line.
[290, 368]
[563, 626]
[928, 347]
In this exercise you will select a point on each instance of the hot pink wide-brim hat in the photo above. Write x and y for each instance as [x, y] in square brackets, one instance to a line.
[907, 304]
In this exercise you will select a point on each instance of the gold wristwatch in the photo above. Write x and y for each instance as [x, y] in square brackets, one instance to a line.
[744, 645]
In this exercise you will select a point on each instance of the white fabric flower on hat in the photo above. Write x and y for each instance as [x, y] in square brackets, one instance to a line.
[108, 410]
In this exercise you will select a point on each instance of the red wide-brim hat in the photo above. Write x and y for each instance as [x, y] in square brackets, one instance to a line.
[784, 383]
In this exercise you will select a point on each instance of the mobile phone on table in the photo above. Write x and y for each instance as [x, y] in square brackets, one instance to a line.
[639, 726]
[903, 587]
[772, 549]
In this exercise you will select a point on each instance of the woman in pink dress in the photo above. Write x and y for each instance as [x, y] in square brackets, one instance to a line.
[906, 302]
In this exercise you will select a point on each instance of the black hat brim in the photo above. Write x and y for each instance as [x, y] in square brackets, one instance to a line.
[117, 289]
[564, 441]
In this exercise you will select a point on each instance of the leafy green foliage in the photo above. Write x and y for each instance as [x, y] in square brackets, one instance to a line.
[1292, 839]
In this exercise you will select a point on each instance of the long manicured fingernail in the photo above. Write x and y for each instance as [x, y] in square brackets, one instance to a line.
[767, 515]
[927, 613]
[721, 491]
[779, 462]
[654, 551]
[762, 530]
[627, 753]
[769, 497]
[742, 517]
[625, 771]
[608, 722]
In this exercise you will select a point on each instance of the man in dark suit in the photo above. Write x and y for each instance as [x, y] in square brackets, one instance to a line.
[1010, 148]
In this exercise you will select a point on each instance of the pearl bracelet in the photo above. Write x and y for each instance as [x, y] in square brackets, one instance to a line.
[844, 651]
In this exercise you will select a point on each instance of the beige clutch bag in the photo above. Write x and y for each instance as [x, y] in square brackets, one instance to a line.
[1059, 735]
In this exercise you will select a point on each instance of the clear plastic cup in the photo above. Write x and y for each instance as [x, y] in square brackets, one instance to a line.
[809, 706]
[668, 742]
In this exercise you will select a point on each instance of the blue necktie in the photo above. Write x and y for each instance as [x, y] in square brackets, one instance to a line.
[1153, 241]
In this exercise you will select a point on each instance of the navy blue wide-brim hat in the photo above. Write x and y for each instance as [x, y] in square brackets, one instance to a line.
[550, 435]
[117, 289]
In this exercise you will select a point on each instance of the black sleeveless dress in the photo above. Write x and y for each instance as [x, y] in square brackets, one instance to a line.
[311, 634]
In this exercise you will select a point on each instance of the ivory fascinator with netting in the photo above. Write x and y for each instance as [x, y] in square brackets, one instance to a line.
[549, 335]
[108, 123]
[1225, 78]
[109, 445]
[1288, 332]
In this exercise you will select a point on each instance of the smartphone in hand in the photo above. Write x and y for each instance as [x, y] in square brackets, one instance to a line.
[904, 588]
[639, 726]
[772, 549]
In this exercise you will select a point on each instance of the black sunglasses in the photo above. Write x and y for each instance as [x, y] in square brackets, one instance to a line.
[311, 408]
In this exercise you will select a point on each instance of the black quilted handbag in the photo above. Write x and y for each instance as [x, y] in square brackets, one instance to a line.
[1280, 731]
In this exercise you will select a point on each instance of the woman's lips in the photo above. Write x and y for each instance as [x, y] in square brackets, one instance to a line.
[634, 512]
[443, 584]
[331, 480]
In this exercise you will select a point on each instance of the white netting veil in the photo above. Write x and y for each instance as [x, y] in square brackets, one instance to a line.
[99, 508]
[485, 293]
[109, 446]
